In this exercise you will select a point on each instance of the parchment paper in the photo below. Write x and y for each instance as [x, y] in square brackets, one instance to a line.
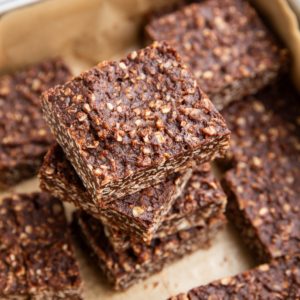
[84, 32]
[284, 21]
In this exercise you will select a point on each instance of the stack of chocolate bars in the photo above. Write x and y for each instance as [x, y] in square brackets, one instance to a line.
[135, 137]
[135, 140]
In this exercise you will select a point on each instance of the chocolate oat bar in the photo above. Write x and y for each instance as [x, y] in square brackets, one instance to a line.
[278, 280]
[263, 185]
[37, 259]
[126, 125]
[125, 268]
[225, 44]
[201, 199]
[24, 136]
[139, 214]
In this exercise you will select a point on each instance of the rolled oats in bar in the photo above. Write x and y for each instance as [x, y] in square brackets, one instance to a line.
[24, 136]
[126, 125]
[139, 214]
[225, 44]
[263, 185]
[125, 268]
[280, 279]
[37, 259]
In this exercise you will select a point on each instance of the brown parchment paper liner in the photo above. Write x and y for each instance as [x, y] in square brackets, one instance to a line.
[284, 21]
[93, 30]
[85, 32]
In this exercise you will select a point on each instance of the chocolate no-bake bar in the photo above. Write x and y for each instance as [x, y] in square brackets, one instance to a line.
[201, 199]
[263, 185]
[139, 214]
[125, 268]
[36, 256]
[24, 136]
[278, 280]
[225, 44]
[126, 125]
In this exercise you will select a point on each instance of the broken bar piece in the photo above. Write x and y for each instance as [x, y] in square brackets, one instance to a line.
[263, 185]
[201, 199]
[24, 136]
[139, 214]
[126, 125]
[225, 44]
[278, 280]
[37, 259]
[125, 268]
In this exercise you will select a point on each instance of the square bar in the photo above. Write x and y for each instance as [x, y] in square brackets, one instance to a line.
[225, 44]
[24, 136]
[263, 185]
[37, 259]
[126, 125]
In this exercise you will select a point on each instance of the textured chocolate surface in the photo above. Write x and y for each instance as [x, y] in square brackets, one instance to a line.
[264, 185]
[225, 44]
[140, 213]
[125, 268]
[24, 136]
[126, 125]
[201, 199]
[37, 259]
[278, 280]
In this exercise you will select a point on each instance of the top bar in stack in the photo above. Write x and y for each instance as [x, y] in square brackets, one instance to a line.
[126, 125]
[226, 46]
[24, 136]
